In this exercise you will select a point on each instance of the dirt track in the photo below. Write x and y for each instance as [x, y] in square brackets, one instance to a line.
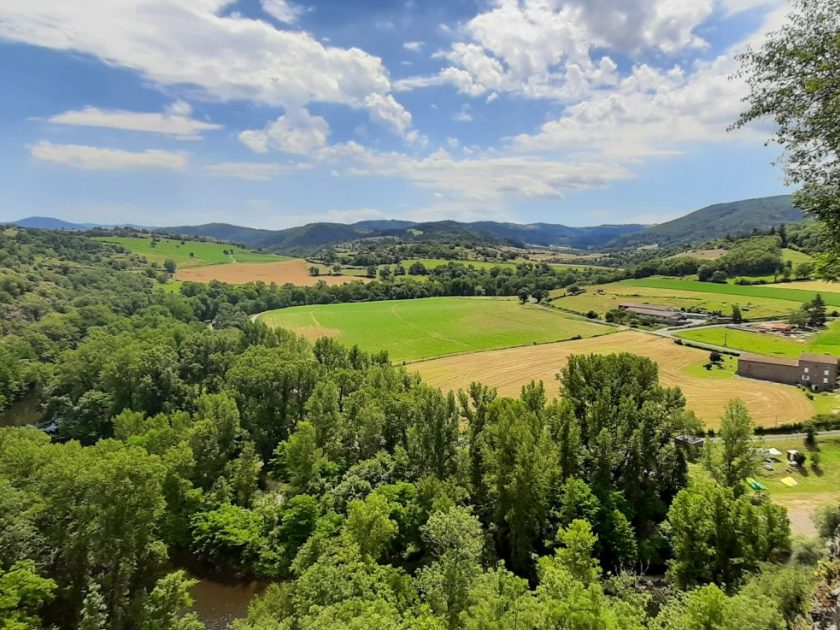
[508, 370]
[292, 271]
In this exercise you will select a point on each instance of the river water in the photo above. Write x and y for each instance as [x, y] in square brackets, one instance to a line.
[25, 411]
[219, 604]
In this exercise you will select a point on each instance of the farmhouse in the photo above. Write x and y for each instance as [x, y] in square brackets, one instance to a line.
[816, 371]
[661, 314]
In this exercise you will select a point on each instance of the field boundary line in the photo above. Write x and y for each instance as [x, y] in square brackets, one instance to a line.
[519, 345]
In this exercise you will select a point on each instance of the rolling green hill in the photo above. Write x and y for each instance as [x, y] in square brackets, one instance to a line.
[711, 222]
[189, 253]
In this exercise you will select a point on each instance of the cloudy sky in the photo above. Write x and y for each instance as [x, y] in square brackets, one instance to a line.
[274, 113]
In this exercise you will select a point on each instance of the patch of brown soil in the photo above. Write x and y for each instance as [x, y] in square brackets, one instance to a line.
[801, 512]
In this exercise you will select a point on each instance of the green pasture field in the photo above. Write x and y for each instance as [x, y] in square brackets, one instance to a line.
[616, 293]
[423, 328]
[203, 253]
[747, 291]
[768, 344]
[173, 286]
[795, 257]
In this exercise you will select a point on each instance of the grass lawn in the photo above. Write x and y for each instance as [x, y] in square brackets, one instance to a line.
[824, 480]
[826, 402]
[726, 371]
[615, 293]
[815, 487]
[203, 253]
[781, 292]
[767, 344]
[417, 329]
[173, 286]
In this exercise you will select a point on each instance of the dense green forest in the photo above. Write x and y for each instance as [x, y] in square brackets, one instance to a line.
[369, 499]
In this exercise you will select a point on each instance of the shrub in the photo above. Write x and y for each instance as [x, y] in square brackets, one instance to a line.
[719, 277]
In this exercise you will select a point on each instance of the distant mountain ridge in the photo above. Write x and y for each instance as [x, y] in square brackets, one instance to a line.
[716, 221]
[51, 223]
[315, 235]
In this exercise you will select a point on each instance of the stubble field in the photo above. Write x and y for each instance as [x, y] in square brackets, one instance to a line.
[294, 271]
[508, 370]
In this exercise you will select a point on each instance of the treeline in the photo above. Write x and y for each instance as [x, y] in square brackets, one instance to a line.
[217, 299]
[54, 289]
[749, 257]
[393, 252]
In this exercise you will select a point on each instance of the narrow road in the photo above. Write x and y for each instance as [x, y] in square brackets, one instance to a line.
[793, 436]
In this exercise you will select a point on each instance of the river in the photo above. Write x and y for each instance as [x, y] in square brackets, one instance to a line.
[25, 411]
[219, 604]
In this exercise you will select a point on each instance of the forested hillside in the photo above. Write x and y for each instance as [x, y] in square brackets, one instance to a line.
[735, 218]
[314, 235]
[188, 438]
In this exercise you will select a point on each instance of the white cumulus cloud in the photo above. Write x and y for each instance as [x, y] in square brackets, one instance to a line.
[282, 10]
[560, 49]
[194, 43]
[296, 131]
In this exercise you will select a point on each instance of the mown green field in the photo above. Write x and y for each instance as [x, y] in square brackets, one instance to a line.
[418, 329]
[202, 253]
[755, 291]
[768, 344]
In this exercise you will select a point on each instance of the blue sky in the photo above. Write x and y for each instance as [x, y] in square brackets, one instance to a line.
[274, 113]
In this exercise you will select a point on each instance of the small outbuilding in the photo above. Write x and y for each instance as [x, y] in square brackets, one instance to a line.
[691, 441]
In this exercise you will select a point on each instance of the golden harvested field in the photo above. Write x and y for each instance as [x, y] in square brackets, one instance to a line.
[811, 285]
[508, 370]
[294, 271]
